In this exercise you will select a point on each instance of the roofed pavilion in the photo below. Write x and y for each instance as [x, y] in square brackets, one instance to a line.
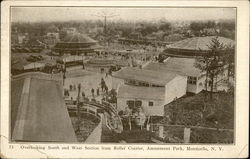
[76, 43]
[195, 46]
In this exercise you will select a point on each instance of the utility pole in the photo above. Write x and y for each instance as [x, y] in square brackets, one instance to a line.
[105, 25]
[105, 16]
[78, 107]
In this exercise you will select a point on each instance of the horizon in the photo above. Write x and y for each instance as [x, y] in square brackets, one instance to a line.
[67, 14]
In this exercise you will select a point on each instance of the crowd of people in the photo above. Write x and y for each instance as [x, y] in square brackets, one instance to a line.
[133, 118]
[94, 92]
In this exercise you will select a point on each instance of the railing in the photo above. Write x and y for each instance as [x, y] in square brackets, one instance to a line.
[107, 108]
[193, 127]
[73, 108]
[38, 75]
[184, 133]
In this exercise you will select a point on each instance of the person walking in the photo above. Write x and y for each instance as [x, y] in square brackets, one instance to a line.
[93, 91]
[97, 92]
[106, 88]
[103, 84]
[110, 72]
[83, 94]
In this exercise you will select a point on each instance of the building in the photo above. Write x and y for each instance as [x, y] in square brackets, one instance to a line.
[75, 43]
[51, 39]
[151, 99]
[196, 80]
[150, 89]
[100, 65]
[180, 57]
[38, 111]
[27, 45]
[192, 47]
[21, 64]
[181, 66]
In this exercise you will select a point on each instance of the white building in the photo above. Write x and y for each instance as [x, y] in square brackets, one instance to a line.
[181, 66]
[149, 89]
[151, 99]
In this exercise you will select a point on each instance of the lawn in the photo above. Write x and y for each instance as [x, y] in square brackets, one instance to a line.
[200, 110]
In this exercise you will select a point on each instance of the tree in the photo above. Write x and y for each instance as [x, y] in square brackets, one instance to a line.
[229, 60]
[202, 63]
[148, 29]
[212, 62]
[166, 26]
[196, 26]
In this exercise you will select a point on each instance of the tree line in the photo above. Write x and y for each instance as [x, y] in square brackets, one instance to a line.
[224, 28]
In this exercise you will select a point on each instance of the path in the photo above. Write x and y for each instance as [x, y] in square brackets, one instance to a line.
[88, 81]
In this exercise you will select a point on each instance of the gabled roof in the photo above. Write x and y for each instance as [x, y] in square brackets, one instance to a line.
[137, 92]
[143, 75]
[181, 66]
[198, 43]
[38, 111]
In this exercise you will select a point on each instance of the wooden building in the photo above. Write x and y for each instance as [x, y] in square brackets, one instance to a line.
[192, 47]
[181, 66]
[196, 80]
[152, 89]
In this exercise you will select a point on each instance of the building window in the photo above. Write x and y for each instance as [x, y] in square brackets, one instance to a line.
[143, 84]
[150, 103]
[133, 104]
[192, 80]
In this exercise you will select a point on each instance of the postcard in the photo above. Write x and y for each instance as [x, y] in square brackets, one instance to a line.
[124, 79]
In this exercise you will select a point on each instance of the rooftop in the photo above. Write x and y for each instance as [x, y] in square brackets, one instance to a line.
[182, 66]
[38, 109]
[101, 61]
[198, 43]
[143, 75]
[137, 92]
[76, 42]
[20, 62]
[78, 38]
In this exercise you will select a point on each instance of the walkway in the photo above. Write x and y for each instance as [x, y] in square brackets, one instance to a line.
[88, 80]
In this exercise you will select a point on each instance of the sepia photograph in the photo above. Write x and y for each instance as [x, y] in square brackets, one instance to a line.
[124, 79]
[149, 75]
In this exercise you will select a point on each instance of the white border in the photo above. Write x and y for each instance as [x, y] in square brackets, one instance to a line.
[240, 149]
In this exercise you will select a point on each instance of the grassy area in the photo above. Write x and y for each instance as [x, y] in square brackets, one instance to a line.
[86, 127]
[209, 136]
[200, 110]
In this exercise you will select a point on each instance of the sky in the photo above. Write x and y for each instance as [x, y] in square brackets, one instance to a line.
[48, 14]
